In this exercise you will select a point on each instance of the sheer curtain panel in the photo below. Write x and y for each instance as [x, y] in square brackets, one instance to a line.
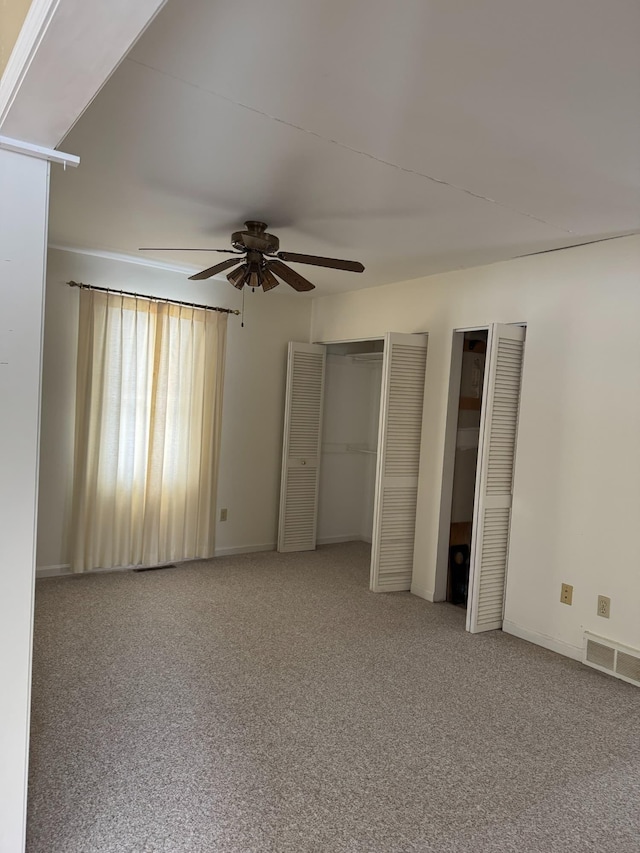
[148, 419]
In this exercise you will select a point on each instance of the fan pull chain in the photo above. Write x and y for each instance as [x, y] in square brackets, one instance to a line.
[242, 323]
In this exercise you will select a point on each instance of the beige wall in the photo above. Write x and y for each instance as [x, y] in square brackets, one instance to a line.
[12, 15]
[253, 398]
[577, 486]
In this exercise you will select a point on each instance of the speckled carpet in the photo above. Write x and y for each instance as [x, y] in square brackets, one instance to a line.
[270, 702]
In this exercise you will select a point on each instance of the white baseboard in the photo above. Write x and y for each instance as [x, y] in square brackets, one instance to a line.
[335, 540]
[244, 549]
[53, 571]
[558, 646]
[422, 592]
[65, 568]
[61, 571]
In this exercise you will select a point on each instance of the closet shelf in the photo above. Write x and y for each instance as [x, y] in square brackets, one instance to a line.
[335, 447]
[357, 448]
[367, 356]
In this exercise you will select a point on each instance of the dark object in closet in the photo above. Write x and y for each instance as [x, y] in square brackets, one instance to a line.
[476, 344]
[459, 558]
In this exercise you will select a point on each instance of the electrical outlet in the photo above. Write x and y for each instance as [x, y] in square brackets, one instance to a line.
[604, 606]
[223, 514]
[566, 593]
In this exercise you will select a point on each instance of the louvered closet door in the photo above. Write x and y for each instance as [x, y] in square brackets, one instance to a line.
[494, 481]
[399, 441]
[301, 448]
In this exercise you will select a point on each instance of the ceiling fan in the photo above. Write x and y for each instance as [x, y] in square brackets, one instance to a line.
[260, 262]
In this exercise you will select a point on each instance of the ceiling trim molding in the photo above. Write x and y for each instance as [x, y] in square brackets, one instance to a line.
[125, 258]
[33, 30]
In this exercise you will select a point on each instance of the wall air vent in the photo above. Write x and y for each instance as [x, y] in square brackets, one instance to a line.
[612, 658]
[628, 666]
[600, 655]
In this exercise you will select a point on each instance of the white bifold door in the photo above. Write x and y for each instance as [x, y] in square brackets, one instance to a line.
[494, 479]
[301, 447]
[398, 455]
[399, 441]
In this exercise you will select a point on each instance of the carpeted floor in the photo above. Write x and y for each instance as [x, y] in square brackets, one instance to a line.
[270, 702]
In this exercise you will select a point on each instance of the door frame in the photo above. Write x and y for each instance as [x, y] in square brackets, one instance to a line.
[349, 340]
[371, 338]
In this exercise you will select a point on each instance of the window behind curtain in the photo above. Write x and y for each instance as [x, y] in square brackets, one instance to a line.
[148, 418]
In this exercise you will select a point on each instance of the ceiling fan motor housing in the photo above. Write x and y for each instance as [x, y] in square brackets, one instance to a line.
[255, 238]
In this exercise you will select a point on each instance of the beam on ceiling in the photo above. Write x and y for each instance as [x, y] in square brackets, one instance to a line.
[65, 52]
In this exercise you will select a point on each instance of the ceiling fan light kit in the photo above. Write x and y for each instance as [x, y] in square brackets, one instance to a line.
[237, 277]
[259, 261]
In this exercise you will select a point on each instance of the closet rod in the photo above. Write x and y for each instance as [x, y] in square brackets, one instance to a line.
[151, 298]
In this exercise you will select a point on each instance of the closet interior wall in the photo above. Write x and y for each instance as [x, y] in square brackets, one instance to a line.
[353, 382]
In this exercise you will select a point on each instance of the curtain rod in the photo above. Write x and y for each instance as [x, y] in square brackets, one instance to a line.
[151, 298]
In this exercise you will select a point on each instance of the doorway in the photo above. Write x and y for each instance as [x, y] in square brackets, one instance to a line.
[474, 349]
[478, 471]
[346, 496]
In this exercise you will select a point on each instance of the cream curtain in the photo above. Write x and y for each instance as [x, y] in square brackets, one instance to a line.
[148, 419]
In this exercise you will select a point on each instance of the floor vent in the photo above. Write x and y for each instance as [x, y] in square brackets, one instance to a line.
[611, 657]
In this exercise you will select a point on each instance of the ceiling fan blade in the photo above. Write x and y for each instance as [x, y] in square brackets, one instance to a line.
[211, 271]
[183, 249]
[314, 260]
[294, 279]
[238, 276]
[269, 281]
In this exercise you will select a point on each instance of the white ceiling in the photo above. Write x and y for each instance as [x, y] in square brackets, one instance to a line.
[415, 136]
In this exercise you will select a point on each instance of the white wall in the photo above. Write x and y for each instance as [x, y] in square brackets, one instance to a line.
[23, 236]
[577, 486]
[253, 396]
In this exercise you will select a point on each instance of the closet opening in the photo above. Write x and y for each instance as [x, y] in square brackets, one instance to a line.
[470, 394]
[346, 496]
[478, 471]
[351, 449]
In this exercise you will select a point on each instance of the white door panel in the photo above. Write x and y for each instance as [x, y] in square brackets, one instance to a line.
[301, 447]
[399, 442]
[494, 480]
